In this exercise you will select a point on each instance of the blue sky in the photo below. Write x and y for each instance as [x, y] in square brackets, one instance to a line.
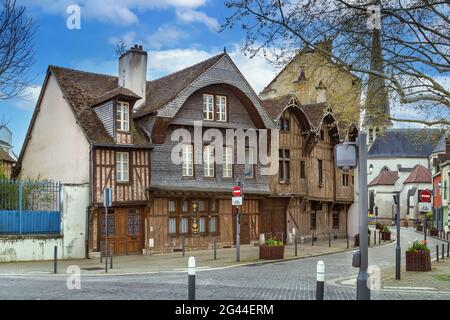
[176, 33]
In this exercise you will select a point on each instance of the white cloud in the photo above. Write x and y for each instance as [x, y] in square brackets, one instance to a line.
[191, 16]
[165, 35]
[111, 11]
[28, 101]
[257, 71]
[128, 38]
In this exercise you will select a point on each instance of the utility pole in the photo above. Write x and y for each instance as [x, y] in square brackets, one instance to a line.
[362, 290]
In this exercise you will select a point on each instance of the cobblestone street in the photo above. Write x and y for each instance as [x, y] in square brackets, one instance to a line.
[285, 280]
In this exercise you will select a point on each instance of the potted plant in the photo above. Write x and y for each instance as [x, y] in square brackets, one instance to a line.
[419, 227]
[378, 225]
[356, 239]
[418, 257]
[385, 233]
[433, 231]
[271, 250]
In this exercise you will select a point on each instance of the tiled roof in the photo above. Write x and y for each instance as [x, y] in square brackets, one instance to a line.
[385, 178]
[404, 143]
[117, 92]
[277, 105]
[315, 112]
[420, 174]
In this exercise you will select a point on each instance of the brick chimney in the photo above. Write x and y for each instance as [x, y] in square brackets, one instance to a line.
[133, 72]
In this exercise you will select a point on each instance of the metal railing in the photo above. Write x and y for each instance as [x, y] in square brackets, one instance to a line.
[30, 207]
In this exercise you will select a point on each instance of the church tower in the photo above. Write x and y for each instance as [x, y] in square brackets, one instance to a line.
[377, 111]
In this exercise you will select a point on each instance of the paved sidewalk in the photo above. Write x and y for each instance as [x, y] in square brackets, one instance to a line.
[173, 262]
[438, 279]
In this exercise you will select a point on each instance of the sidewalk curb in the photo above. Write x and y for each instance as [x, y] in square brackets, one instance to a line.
[249, 264]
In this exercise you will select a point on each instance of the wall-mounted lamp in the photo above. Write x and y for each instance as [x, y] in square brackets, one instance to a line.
[370, 169]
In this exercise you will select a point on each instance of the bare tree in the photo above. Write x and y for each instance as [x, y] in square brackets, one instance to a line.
[120, 48]
[415, 42]
[16, 50]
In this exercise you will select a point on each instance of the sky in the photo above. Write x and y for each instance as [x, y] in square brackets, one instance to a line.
[176, 34]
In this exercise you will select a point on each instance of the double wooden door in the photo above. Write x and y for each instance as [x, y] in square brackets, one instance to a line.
[125, 233]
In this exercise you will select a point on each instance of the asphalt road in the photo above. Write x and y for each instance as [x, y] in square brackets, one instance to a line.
[284, 280]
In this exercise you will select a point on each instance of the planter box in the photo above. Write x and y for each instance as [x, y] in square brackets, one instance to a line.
[386, 236]
[271, 252]
[433, 232]
[378, 226]
[418, 261]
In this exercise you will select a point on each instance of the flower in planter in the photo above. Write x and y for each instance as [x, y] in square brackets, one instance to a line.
[385, 229]
[273, 243]
[418, 246]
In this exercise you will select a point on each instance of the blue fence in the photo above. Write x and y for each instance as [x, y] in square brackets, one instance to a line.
[30, 207]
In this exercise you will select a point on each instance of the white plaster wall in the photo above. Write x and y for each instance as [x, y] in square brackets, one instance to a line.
[71, 245]
[392, 164]
[58, 149]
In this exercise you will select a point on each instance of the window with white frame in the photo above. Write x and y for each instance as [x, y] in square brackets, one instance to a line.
[213, 225]
[188, 163]
[208, 161]
[122, 166]
[123, 116]
[208, 107]
[184, 225]
[249, 163]
[221, 108]
[227, 162]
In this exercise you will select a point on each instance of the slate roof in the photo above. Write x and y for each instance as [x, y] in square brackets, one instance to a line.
[162, 90]
[385, 178]
[420, 174]
[117, 92]
[405, 143]
[314, 112]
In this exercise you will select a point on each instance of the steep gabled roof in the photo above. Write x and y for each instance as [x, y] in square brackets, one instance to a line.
[405, 143]
[162, 90]
[420, 174]
[276, 106]
[385, 178]
[117, 92]
[4, 156]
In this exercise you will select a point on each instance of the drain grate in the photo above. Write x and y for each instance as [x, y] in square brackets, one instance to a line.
[93, 269]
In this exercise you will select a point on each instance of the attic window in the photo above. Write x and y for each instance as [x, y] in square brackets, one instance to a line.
[123, 116]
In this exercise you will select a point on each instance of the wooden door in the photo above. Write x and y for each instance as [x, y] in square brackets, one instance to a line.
[273, 218]
[124, 231]
[245, 229]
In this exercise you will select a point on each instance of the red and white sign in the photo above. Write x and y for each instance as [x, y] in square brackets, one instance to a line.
[425, 195]
[236, 191]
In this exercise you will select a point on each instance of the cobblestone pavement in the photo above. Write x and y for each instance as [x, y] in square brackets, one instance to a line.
[293, 279]
[172, 262]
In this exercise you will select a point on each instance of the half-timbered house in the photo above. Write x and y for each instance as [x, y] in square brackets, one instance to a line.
[116, 132]
[309, 196]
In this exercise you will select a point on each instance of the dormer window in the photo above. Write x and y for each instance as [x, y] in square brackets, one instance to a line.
[123, 116]
[215, 107]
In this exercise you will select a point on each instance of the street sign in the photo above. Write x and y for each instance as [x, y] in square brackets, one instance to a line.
[425, 195]
[236, 191]
[107, 197]
[425, 207]
[236, 201]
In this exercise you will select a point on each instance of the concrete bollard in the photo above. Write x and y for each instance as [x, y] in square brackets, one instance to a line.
[320, 283]
[191, 278]
[262, 239]
[55, 260]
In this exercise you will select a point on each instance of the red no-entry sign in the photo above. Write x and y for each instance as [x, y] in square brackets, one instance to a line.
[425, 195]
[236, 191]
